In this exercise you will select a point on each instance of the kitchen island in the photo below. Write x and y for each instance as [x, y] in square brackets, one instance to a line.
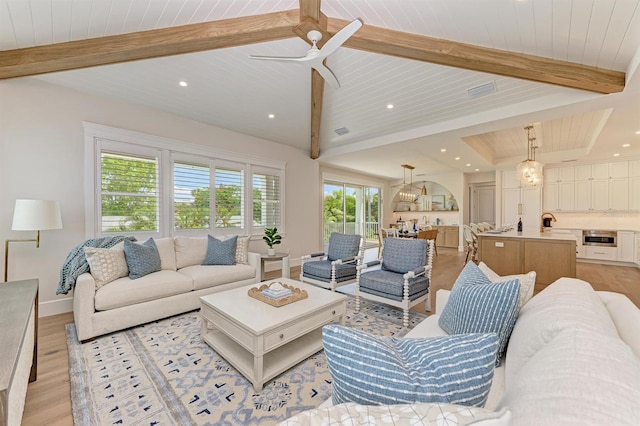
[552, 255]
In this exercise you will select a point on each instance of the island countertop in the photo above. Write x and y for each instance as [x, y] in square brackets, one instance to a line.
[566, 235]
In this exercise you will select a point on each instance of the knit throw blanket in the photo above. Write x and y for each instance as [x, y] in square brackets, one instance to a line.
[76, 263]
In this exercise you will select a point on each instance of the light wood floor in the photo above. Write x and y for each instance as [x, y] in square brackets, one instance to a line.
[48, 398]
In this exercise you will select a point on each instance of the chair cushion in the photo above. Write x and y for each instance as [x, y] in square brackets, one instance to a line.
[142, 259]
[403, 255]
[321, 270]
[374, 370]
[476, 305]
[221, 252]
[391, 285]
[343, 246]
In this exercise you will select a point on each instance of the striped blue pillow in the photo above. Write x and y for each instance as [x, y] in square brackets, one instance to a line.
[476, 306]
[375, 370]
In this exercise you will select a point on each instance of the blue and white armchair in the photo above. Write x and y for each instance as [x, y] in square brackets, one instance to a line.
[337, 266]
[403, 279]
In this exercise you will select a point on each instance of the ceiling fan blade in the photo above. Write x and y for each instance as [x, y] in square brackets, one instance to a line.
[326, 74]
[339, 38]
[282, 58]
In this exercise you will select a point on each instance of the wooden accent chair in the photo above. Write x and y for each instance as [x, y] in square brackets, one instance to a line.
[338, 266]
[429, 234]
[404, 277]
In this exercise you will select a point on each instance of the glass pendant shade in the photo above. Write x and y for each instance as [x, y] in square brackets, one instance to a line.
[530, 172]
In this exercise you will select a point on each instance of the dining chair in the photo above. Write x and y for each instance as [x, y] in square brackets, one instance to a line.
[471, 243]
[384, 233]
[429, 234]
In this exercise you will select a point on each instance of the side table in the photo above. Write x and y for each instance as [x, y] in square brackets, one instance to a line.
[276, 257]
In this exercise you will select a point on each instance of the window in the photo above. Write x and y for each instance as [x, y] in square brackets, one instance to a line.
[266, 199]
[351, 209]
[148, 186]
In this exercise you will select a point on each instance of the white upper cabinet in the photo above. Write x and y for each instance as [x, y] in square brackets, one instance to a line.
[593, 187]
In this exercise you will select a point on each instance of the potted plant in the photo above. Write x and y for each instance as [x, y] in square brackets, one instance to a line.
[271, 237]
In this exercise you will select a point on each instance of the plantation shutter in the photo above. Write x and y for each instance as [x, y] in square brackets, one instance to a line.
[129, 196]
[266, 198]
[191, 196]
[229, 197]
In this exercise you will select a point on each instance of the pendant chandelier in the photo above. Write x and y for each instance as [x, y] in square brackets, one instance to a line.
[529, 170]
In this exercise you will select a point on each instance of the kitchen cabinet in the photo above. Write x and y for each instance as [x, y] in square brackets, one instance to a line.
[634, 185]
[637, 251]
[579, 247]
[512, 253]
[625, 242]
[529, 197]
[600, 187]
[559, 189]
[600, 253]
[448, 236]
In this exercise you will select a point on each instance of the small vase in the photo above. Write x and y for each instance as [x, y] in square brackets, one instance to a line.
[271, 251]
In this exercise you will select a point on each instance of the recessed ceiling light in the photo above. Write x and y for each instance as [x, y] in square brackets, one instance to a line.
[389, 106]
[616, 155]
[477, 170]
[271, 115]
[468, 165]
[457, 158]
[183, 84]
[638, 132]
[443, 150]
[626, 145]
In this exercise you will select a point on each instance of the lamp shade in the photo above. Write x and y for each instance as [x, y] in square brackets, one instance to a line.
[36, 215]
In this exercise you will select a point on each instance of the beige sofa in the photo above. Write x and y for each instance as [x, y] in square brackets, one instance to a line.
[573, 359]
[175, 289]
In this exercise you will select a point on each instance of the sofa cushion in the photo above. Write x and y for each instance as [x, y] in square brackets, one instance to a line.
[623, 312]
[221, 252]
[374, 370]
[167, 251]
[426, 414]
[402, 255]
[476, 306]
[205, 276]
[142, 259]
[106, 265]
[579, 377]
[125, 291]
[527, 282]
[568, 303]
[343, 246]
[190, 251]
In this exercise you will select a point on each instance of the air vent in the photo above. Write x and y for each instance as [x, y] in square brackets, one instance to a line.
[482, 90]
[341, 131]
[569, 161]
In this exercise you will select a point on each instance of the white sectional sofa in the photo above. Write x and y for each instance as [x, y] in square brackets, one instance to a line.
[573, 359]
[175, 289]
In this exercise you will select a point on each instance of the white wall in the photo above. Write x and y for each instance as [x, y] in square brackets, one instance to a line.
[41, 157]
[624, 221]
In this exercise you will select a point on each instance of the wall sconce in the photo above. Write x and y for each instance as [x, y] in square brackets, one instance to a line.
[32, 215]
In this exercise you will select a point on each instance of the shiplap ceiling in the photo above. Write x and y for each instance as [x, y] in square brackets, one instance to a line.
[432, 109]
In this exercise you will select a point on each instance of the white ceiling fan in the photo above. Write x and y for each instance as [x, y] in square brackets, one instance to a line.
[315, 57]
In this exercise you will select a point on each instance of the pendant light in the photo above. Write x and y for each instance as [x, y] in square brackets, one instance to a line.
[529, 170]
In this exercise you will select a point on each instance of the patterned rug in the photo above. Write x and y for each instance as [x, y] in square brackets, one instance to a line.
[161, 373]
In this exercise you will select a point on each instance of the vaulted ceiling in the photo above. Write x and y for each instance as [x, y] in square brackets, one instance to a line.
[545, 62]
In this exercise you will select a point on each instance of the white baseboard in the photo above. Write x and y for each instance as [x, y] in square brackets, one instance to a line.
[55, 307]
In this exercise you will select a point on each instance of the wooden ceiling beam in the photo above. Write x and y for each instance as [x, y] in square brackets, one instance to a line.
[476, 58]
[317, 98]
[148, 44]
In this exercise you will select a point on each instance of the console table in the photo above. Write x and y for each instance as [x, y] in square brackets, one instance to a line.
[19, 346]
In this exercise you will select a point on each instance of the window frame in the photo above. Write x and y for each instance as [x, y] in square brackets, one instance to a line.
[169, 151]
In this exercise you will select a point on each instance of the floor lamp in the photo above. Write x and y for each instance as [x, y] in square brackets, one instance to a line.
[32, 215]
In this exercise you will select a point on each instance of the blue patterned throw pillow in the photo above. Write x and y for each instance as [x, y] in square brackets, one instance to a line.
[476, 305]
[343, 246]
[221, 252]
[142, 259]
[375, 370]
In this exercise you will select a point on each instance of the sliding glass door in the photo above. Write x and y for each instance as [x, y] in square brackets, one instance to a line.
[351, 209]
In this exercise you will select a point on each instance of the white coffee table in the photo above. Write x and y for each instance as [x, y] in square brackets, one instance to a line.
[260, 340]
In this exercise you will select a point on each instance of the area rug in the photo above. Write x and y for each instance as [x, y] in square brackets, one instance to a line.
[162, 373]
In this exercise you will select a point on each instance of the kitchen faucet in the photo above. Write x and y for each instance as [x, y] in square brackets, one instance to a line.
[542, 218]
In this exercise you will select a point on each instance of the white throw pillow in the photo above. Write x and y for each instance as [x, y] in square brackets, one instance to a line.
[190, 251]
[106, 265]
[167, 251]
[527, 282]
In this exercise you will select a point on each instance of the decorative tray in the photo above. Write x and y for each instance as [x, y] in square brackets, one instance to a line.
[298, 294]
